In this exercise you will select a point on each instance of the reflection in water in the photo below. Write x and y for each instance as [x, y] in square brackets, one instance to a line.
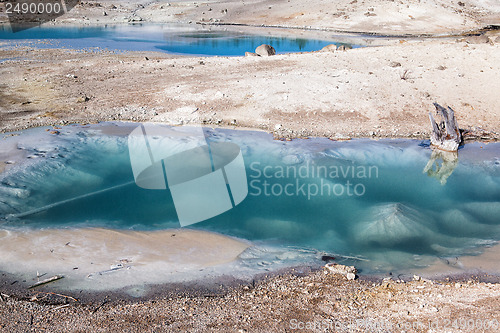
[179, 39]
[441, 165]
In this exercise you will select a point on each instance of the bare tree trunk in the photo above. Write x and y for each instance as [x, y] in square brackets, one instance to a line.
[445, 135]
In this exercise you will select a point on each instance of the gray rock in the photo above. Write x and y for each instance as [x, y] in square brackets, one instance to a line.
[329, 48]
[265, 50]
[251, 54]
[344, 47]
[342, 269]
[135, 19]
[394, 64]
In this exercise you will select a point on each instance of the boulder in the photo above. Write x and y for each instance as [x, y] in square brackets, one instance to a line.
[329, 48]
[265, 50]
[251, 54]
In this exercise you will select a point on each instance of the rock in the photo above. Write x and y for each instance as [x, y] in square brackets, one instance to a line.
[441, 68]
[348, 271]
[82, 99]
[329, 48]
[416, 278]
[392, 224]
[135, 19]
[265, 50]
[497, 40]
[477, 39]
[350, 276]
[344, 47]
[394, 64]
[251, 54]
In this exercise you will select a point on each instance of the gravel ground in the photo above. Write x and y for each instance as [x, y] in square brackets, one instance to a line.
[315, 302]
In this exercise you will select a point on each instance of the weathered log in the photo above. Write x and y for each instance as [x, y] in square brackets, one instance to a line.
[445, 135]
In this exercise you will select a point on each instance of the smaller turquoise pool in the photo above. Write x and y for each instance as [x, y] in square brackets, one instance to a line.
[163, 38]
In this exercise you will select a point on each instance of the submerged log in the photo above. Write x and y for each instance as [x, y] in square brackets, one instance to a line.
[445, 135]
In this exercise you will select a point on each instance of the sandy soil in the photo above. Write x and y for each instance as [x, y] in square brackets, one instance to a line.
[85, 256]
[375, 91]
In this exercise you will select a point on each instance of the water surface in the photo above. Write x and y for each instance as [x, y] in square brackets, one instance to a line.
[387, 205]
[176, 39]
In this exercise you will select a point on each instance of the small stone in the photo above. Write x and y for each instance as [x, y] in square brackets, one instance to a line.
[416, 278]
[135, 19]
[441, 68]
[458, 285]
[82, 99]
[341, 269]
[394, 64]
[350, 276]
[344, 47]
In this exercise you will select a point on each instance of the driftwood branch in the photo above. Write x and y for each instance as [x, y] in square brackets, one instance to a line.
[445, 134]
[61, 307]
[52, 279]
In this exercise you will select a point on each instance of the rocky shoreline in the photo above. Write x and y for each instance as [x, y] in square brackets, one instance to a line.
[282, 302]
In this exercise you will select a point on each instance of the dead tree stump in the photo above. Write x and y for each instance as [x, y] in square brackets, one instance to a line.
[445, 135]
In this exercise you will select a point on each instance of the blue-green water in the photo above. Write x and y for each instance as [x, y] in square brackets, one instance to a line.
[163, 38]
[364, 198]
